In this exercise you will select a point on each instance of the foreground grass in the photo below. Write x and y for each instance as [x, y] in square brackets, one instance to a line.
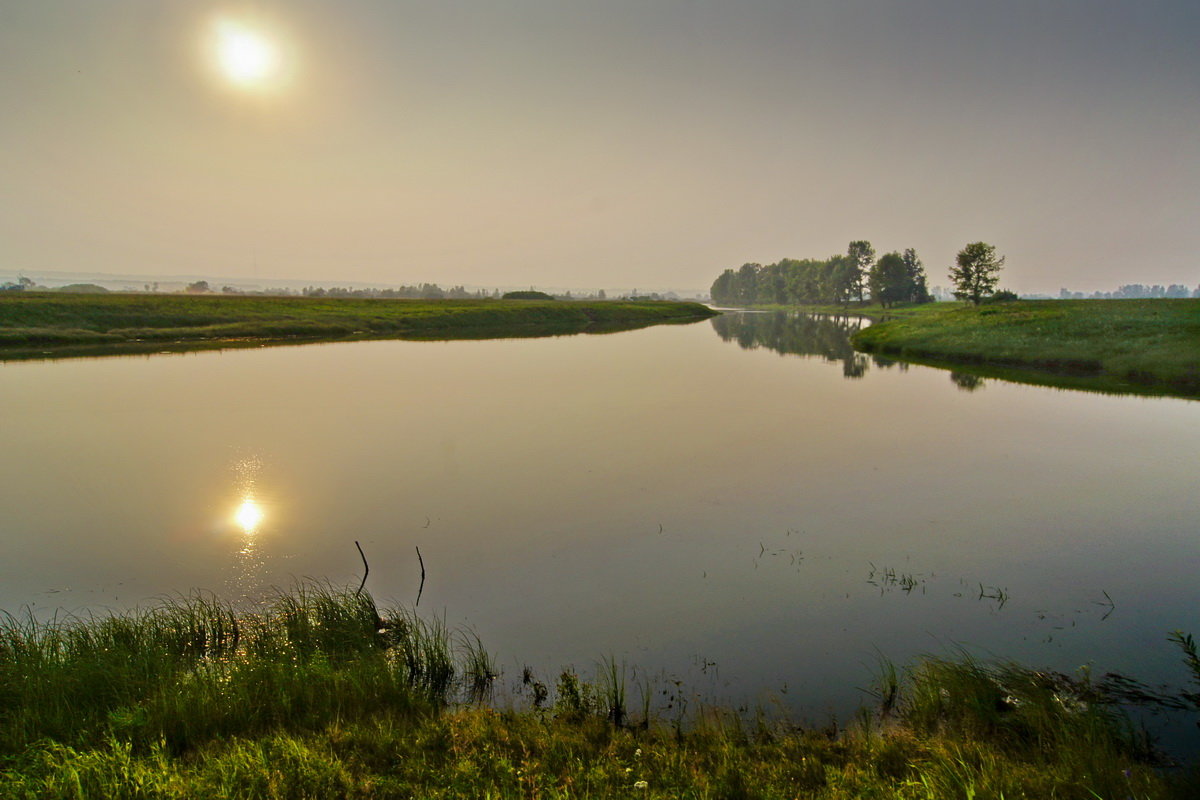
[33, 322]
[1138, 346]
[324, 695]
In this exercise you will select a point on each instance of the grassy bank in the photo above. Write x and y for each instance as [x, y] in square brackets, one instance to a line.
[1143, 346]
[1125, 346]
[325, 695]
[33, 323]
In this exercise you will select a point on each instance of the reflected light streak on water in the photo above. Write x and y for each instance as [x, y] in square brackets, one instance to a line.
[249, 516]
[246, 582]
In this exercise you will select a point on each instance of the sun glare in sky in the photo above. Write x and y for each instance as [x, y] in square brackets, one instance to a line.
[247, 56]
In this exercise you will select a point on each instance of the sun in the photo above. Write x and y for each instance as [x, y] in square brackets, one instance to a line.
[247, 56]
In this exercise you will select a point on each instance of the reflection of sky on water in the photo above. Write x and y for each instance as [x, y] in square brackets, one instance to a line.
[659, 496]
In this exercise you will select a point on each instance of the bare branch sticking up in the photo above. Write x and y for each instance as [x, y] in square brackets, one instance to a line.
[422, 588]
[366, 567]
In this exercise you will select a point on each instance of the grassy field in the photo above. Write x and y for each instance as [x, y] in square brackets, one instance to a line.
[1127, 346]
[36, 324]
[322, 694]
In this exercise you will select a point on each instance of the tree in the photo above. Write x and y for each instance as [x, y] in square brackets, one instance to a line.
[724, 288]
[888, 280]
[861, 256]
[771, 284]
[841, 280]
[919, 290]
[526, 294]
[747, 284]
[976, 272]
[896, 278]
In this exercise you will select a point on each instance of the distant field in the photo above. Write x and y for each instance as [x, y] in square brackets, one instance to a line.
[34, 324]
[1141, 346]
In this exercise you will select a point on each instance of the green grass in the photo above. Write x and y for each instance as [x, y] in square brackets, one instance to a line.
[1127, 346]
[322, 694]
[32, 323]
[193, 669]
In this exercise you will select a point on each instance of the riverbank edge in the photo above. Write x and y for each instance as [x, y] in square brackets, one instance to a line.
[324, 694]
[1147, 347]
[42, 325]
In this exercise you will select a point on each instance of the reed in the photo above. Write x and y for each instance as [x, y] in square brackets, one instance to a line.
[322, 694]
[192, 669]
[612, 690]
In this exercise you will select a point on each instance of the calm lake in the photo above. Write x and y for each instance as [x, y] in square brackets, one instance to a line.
[742, 504]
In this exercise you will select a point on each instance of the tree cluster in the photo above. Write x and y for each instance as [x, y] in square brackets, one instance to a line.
[23, 284]
[424, 291]
[893, 278]
[1134, 291]
[528, 294]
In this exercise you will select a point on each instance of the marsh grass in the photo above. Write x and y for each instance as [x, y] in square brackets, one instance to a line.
[1191, 659]
[478, 668]
[612, 690]
[321, 694]
[193, 669]
[478, 753]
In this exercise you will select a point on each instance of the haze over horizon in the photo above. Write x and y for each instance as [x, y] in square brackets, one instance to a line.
[597, 144]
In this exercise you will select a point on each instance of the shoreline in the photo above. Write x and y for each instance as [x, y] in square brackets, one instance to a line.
[1142, 347]
[47, 326]
[322, 693]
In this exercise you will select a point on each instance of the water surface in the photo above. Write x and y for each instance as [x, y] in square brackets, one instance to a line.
[715, 502]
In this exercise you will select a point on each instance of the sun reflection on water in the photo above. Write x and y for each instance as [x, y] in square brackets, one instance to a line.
[247, 577]
[249, 515]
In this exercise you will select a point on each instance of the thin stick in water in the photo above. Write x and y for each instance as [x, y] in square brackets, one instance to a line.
[422, 587]
[366, 567]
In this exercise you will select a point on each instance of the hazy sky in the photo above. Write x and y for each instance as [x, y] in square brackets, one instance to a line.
[610, 143]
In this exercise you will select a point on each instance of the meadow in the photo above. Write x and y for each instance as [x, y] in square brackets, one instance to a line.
[322, 694]
[32, 323]
[1127, 346]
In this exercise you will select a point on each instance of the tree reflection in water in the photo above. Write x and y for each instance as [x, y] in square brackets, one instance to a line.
[966, 381]
[791, 333]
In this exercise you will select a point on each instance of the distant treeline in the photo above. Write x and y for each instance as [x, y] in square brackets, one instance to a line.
[893, 278]
[1134, 291]
[29, 285]
[421, 291]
